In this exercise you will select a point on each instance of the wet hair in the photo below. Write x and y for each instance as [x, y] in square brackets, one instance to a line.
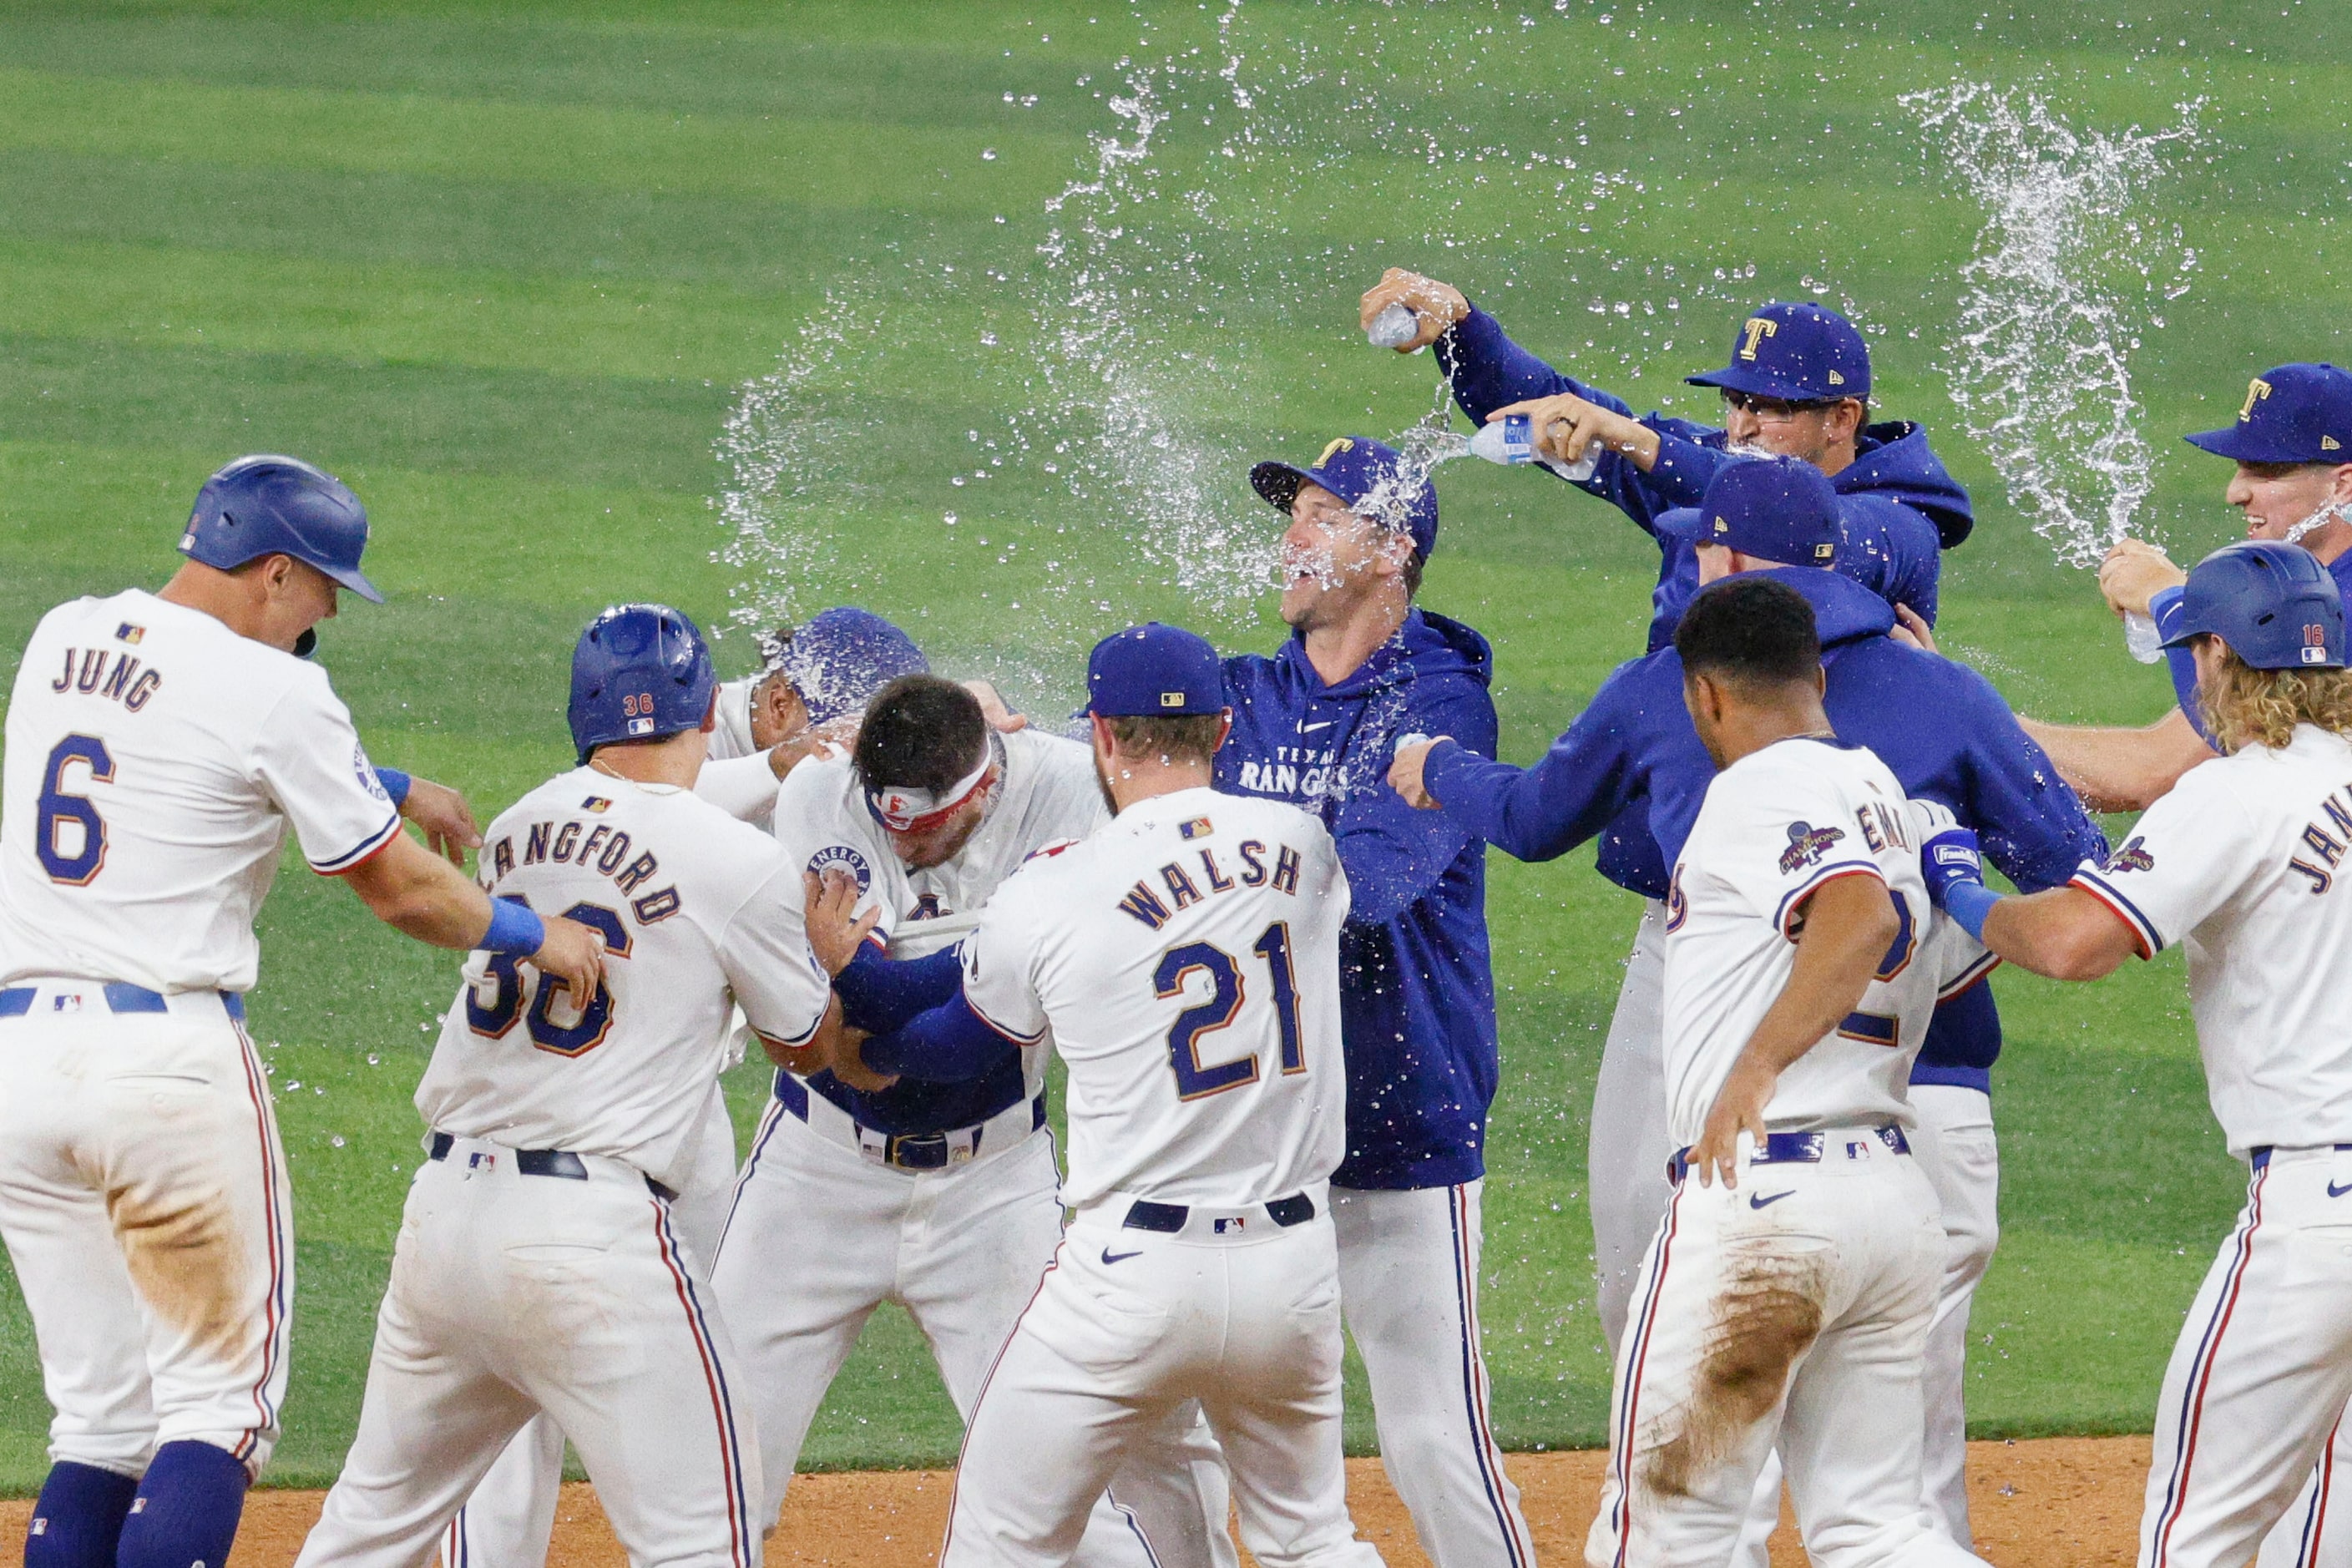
[1178, 737]
[1752, 631]
[919, 733]
[2248, 707]
[1413, 565]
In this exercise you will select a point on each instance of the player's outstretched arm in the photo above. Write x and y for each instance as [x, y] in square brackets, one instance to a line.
[447, 821]
[419, 894]
[1849, 924]
[2062, 933]
[2113, 768]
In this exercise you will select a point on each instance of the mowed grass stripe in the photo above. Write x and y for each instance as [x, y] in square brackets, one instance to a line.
[843, 164]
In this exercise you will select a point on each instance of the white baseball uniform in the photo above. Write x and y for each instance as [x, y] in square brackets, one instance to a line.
[736, 776]
[539, 1267]
[155, 760]
[2241, 863]
[1792, 1309]
[955, 1227]
[1185, 960]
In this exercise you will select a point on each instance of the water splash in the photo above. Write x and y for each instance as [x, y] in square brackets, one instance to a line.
[2068, 274]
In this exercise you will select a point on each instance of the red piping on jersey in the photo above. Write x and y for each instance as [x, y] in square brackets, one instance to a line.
[1791, 905]
[2140, 938]
[380, 849]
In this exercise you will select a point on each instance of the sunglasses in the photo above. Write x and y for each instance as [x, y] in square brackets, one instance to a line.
[1775, 409]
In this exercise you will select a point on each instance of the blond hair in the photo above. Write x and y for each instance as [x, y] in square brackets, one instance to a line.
[2248, 707]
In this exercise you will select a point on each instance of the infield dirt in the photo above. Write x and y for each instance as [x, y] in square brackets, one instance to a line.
[2059, 1502]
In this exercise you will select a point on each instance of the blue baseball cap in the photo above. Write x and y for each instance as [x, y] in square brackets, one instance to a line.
[1775, 509]
[842, 657]
[2273, 604]
[1154, 668]
[2295, 414]
[1796, 352]
[1370, 477]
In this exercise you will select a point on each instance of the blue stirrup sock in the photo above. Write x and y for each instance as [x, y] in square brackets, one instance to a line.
[78, 1518]
[186, 1511]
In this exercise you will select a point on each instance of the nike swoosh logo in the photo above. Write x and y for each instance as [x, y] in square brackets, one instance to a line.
[1310, 729]
[1110, 1256]
[2335, 1192]
[1758, 1200]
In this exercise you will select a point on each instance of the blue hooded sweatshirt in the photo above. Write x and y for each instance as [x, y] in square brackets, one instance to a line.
[1938, 726]
[1900, 508]
[1416, 989]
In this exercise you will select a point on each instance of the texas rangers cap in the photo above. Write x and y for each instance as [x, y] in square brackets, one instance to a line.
[2273, 604]
[2295, 414]
[1154, 669]
[1796, 352]
[1775, 509]
[1371, 477]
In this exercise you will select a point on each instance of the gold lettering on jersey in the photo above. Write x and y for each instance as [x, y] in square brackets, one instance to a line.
[588, 851]
[502, 858]
[1218, 881]
[1880, 828]
[2326, 847]
[1252, 863]
[1286, 870]
[104, 672]
[605, 850]
[1145, 905]
[567, 839]
[655, 907]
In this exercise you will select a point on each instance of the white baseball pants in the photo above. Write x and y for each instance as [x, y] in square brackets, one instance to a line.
[1798, 1322]
[511, 1294]
[2316, 1532]
[821, 1237]
[1127, 1328]
[2261, 1373]
[144, 1202]
[1628, 1147]
[1960, 1154]
[510, 1517]
[1409, 1286]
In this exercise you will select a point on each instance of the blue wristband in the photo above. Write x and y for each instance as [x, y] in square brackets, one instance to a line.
[1970, 903]
[395, 785]
[513, 929]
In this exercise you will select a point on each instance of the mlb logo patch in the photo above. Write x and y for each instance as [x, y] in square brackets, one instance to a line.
[1171, 699]
[1224, 1227]
[641, 726]
[479, 1161]
[127, 632]
[1199, 827]
[596, 804]
[65, 1002]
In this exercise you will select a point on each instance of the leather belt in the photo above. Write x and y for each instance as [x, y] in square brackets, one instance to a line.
[907, 1150]
[558, 1162]
[2260, 1157]
[1793, 1149]
[1169, 1218]
[120, 996]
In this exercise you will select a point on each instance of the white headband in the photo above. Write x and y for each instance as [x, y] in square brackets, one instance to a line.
[904, 809]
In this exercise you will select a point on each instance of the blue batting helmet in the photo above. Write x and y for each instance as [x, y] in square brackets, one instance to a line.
[265, 505]
[640, 672]
[2274, 604]
[842, 657]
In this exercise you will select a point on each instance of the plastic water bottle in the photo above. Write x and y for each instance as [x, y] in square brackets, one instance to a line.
[1394, 327]
[2141, 637]
[1511, 440]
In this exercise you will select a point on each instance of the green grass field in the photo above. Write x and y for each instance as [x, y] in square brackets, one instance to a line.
[505, 266]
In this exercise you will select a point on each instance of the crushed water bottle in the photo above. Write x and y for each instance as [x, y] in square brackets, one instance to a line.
[2140, 636]
[1511, 440]
[1394, 327]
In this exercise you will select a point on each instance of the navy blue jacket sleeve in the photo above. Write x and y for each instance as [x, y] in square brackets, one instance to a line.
[1895, 552]
[879, 993]
[2029, 820]
[1488, 371]
[1588, 776]
[1391, 853]
[948, 1043]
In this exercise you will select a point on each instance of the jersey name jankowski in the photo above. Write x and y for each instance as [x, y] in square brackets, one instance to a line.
[1048, 795]
[1186, 959]
[155, 760]
[701, 914]
[1775, 827]
[2243, 862]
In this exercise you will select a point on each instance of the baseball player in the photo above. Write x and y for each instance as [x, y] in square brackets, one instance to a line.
[1787, 1296]
[1797, 386]
[817, 679]
[1947, 734]
[2293, 481]
[1313, 726]
[941, 1197]
[160, 746]
[2240, 861]
[1186, 961]
[539, 1267]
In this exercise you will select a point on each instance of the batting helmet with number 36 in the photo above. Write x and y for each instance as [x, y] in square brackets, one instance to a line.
[640, 672]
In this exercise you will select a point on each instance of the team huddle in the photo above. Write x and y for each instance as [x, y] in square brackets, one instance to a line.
[1246, 908]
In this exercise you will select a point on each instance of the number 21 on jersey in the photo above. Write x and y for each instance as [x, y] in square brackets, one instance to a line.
[1226, 997]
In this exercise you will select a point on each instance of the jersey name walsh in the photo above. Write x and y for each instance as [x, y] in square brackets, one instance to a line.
[1178, 878]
